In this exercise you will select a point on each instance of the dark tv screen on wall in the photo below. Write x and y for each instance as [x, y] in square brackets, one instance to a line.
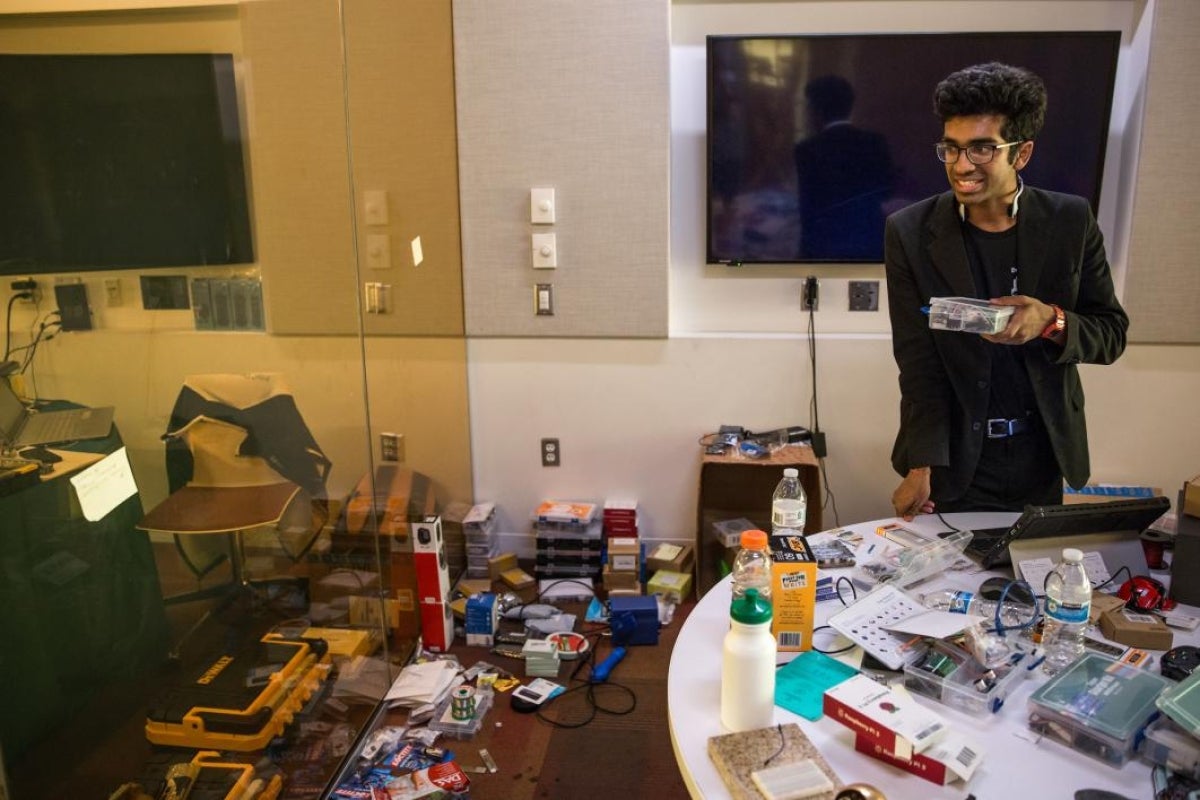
[120, 161]
[814, 139]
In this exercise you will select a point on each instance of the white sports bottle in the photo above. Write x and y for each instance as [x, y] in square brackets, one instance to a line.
[748, 666]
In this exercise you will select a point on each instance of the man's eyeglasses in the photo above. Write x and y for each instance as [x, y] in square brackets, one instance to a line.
[976, 153]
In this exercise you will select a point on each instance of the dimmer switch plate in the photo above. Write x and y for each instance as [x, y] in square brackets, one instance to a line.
[541, 206]
[545, 251]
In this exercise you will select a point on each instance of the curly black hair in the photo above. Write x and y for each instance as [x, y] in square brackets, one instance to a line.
[993, 88]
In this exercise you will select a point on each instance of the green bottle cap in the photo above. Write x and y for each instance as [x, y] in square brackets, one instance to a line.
[750, 609]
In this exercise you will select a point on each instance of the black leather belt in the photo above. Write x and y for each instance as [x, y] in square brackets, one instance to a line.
[1003, 428]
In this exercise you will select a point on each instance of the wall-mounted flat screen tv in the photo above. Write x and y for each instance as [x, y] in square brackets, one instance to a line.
[120, 161]
[813, 140]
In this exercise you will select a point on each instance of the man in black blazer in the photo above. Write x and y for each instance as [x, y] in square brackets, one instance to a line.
[995, 421]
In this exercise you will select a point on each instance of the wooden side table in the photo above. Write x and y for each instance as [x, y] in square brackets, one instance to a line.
[734, 485]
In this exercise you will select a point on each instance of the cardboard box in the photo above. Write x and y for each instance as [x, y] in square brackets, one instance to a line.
[1136, 629]
[893, 723]
[516, 578]
[1191, 497]
[502, 563]
[623, 580]
[673, 557]
[793, 592]
[624, 554]
[673, 586]
[1102, 602]
[950, 759]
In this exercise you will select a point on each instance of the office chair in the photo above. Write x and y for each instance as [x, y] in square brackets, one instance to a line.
[239, 460]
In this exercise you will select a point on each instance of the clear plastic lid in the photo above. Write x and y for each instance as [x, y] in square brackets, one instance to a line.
[1181, 703]
[1103, 695]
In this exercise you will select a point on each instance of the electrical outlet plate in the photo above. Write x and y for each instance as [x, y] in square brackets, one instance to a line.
[864, 295]
[551, 453]
[391, 447]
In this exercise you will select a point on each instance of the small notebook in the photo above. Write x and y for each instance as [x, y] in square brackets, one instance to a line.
[737, 755]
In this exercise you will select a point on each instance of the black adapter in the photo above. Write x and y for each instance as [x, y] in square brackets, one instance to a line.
[810, 294]
[27, 285]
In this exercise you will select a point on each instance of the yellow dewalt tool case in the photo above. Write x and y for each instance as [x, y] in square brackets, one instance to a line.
[239, 701]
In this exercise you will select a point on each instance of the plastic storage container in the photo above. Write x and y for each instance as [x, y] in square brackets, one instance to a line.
[949, 675]
[1171, 746]
[1097, 706]
[967, 314]
[1181, 702]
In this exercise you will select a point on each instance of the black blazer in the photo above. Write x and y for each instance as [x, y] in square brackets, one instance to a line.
[944, 375]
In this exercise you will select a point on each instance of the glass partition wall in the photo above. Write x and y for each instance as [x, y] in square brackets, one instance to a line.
[160, 585]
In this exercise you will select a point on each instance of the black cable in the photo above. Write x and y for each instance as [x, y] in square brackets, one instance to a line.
[8, 321]
[947, 524]
[782, 744]
[845, 649]
[1124, 569]
[31, 348]
[591, 694]
[837, 587]
[829, 500]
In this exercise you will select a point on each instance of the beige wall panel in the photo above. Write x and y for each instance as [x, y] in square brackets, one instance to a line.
[573, 96]
[1164, 275]
[417, 387]
[303, 236]
[401, 67]
[205, 30]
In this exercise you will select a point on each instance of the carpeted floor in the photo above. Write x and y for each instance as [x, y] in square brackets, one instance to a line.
[627, 756]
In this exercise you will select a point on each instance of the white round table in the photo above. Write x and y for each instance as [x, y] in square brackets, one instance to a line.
[1016, 764]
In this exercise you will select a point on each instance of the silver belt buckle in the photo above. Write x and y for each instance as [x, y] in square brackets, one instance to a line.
[999, 428]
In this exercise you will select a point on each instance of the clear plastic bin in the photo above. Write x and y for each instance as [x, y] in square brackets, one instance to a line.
[949, 675]
[967, 314]
[1168, 744]
[1097, 706]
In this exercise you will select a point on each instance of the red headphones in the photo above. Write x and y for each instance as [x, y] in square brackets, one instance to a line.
[1145, 594]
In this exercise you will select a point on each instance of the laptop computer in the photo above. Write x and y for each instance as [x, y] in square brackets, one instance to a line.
[1112, 528]
[20, 427]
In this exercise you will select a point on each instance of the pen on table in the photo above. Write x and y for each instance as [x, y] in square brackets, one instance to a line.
[870, 549]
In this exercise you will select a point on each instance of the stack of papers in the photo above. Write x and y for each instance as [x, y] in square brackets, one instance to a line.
[418, 684]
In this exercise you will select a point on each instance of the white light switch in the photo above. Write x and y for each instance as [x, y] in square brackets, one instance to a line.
[417, 253]
[541, 206]
[379, 251]
[545, 251]
[375, 207]
[543, 300]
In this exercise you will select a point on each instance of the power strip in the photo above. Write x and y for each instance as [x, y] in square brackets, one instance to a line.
[865, 621]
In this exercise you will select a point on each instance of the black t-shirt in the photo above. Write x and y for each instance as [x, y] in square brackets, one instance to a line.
[993, 258]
